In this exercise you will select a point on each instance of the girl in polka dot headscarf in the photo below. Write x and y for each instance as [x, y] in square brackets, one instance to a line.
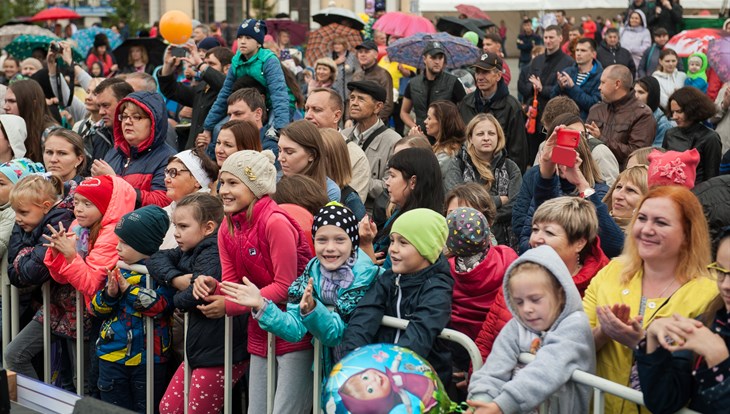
[338, 276]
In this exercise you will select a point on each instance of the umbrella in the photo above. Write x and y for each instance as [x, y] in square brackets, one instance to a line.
[297, 30]
[319, 44]
[687, 42]
[456, 26]
[84, 38]
[459, 52]
[403, 24]
[155, 49]
[22, 47]
[472, 12]
[718, 54]
[55, 13]
[338, 15]
[10, 32]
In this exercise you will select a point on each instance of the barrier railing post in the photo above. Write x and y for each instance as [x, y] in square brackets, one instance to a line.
[270, 373]
[228, 367]
[599, 401]
[47, 332]
[150, 352]
[317, 385]
[186, 369]
[15, 312]
[80, 303]
[6, 304]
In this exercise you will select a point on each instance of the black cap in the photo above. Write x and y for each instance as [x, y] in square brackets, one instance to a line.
[368, 44]
[489, 61]
[369, 87]
[434, 48]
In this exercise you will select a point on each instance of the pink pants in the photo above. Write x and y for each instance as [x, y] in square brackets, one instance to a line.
[206, 390]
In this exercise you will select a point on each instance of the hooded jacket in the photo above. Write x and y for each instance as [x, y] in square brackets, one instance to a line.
[499, 315]
[143, 166]
[615, 55]
[423, 298]
[565, 347]
[636, 39]
[698, 79]
[508, 112]
[668, 83]
[272, 251]
[206, 347]
[15, 133]
[88, 275]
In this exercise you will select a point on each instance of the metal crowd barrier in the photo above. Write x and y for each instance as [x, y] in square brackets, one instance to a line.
[602, 386]
[10, 328]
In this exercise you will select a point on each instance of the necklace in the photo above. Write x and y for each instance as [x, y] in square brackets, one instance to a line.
[643, 304]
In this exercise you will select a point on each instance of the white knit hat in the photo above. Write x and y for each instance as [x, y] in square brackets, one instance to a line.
[253, 168]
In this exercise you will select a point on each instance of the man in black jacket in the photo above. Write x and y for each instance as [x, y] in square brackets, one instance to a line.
[492, 96]
[432, 85]
[543, 78]
[200, 97]
[610, 52]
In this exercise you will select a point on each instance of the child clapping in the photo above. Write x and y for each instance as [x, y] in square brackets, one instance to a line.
[549, 322]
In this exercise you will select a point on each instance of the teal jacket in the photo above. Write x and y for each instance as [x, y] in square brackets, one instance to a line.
[323, 324]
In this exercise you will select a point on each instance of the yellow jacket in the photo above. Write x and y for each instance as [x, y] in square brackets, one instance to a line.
[614, 360]
[392, 68]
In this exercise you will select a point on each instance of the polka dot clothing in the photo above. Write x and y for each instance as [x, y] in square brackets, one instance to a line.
[206, 390]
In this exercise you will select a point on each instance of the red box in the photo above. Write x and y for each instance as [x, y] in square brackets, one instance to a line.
[564, 151]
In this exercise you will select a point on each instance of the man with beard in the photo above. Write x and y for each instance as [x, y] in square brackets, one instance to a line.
[432, 85]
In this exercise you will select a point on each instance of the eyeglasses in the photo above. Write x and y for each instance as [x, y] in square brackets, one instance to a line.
[127, 117]
[720, 272]
[173, 172]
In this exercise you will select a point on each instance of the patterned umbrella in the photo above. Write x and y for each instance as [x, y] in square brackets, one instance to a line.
[687, 42]
[459, 52]
[320, 40]
[10, 32]
[338, 15]
[718, 53]
[55, 13]
[24, 45]
[403, 24]
[472, 12]
[85, 38]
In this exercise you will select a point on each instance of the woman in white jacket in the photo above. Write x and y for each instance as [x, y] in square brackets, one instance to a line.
[670, 79]
[636, 37]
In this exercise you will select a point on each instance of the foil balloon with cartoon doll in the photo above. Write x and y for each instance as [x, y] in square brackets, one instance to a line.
[385, 379]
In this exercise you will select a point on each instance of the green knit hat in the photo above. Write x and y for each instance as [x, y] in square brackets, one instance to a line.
[425, 229]
[144, 229]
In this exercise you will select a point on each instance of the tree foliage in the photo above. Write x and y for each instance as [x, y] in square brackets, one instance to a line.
[126, 10]
[20, 8]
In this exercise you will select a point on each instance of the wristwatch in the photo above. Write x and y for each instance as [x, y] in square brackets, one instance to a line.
[587, 193]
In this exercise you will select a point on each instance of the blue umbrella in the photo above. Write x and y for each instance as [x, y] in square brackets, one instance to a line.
[84, 38]
[459, 52]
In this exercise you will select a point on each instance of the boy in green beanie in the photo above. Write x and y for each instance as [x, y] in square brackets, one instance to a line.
[123, 304]
[417, 288]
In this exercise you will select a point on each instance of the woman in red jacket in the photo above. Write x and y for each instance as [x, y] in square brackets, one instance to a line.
[101, 53]
[570, 226]
[261, 245]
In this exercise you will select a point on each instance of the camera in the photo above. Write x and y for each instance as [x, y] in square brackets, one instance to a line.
[56, 47]
[564, 151]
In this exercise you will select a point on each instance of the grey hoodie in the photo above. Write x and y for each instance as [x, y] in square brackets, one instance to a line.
[14, 127]
[567, 346]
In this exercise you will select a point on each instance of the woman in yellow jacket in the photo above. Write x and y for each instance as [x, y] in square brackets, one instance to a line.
[662, 271]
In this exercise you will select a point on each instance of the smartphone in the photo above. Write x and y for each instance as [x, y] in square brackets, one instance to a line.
[564, 152]
[177, 51]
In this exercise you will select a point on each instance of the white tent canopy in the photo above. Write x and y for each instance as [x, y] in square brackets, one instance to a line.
[515, 5]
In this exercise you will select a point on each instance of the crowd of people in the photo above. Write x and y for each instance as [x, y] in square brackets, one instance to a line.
[592, 234]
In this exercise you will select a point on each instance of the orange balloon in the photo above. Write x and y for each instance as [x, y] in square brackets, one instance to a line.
[176, 27]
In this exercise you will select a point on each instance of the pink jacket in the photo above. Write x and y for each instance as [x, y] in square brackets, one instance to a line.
[88, 275]
[271, 250]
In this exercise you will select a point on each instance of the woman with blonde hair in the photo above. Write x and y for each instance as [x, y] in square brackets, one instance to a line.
[138, 61]
[662, 272]
[346, 61]
[339, 169]
[483, 159]
[625, 194]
